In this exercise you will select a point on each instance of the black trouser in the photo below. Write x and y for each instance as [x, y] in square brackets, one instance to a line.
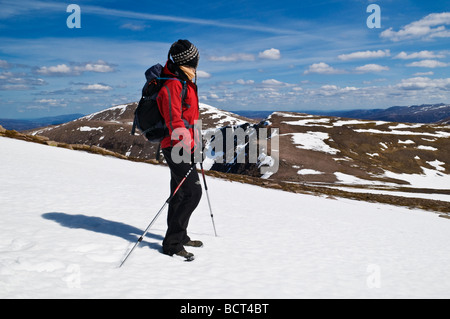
[182, 204]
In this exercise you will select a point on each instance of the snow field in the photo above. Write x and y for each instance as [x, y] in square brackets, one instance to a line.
[68, 218]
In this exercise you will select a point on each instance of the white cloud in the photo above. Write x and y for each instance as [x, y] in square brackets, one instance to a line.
[203, 74]
[431, 26]
[368, 68]
[96, 88]
[329, 87]
[273, 82]
[64, 69]
[424, 83]
[19, 81]
[402, 92]
[331, 90]
[99, 67]
[60, 69]
[428, 64]
[322, 68]
[424, 73]
[244, 82]
[233, 57]
[213, 96]
[339, 89]
[271, 54]
[418, 55]
[52, 102]
[365, 55]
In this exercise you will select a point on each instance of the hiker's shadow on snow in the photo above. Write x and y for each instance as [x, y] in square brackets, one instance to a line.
[104, 226]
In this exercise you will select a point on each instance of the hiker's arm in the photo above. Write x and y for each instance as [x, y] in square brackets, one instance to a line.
[170, 106]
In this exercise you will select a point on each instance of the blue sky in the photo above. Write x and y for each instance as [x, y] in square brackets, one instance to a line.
[255, 55]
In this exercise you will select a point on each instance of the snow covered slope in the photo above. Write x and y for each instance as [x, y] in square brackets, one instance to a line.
[68, 218]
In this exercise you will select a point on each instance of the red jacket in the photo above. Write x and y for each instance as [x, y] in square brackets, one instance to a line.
[177, 116]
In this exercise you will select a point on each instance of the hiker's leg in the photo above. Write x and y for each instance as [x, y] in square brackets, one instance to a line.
[182, 204]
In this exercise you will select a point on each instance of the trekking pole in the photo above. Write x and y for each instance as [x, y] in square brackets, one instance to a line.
[157, 215]
[207, 196]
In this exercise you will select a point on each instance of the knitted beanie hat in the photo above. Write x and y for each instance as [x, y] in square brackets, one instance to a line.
[184, 52]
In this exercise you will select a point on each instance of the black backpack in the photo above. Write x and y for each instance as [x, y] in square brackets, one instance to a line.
[147, 117]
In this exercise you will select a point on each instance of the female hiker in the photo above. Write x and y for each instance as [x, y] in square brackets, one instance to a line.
[178, 104]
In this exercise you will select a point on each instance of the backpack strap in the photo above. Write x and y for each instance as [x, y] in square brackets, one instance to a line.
[183, 92]
[183, 102]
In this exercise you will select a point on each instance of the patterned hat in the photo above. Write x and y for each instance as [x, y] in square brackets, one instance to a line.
[184, 52]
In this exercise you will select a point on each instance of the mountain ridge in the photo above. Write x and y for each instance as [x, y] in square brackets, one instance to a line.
[388, 114]
[315, 151]
[425, 113]
[28, 124]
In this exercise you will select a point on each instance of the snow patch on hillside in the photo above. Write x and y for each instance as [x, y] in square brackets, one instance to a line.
[223, 117]
[89, 129]
[121, 108]
[314, 141]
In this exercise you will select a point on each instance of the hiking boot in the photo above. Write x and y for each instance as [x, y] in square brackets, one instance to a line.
[194, 243]
[186, 255]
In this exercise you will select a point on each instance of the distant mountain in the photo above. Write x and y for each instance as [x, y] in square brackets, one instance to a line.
[111, 128]
[28, 124]
[427, 113]
[257, 115]
[323, 151]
